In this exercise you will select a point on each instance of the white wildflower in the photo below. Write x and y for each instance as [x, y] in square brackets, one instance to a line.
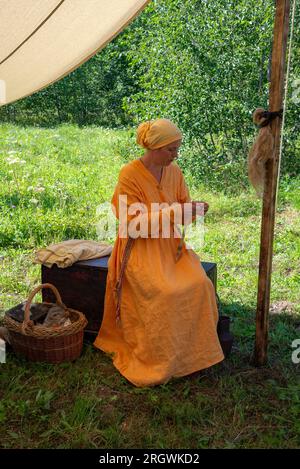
[13, 160]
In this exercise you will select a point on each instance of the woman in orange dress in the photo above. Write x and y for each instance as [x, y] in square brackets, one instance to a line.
[163, 324]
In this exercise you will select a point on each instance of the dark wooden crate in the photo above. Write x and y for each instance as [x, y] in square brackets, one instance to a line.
[82, 287]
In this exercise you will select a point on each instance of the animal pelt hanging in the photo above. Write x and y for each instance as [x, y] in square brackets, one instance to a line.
[262, 150]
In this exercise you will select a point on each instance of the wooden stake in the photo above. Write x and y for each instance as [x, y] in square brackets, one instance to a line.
[281, 29]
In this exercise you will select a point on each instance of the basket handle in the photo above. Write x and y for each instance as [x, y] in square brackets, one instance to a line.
[27, 320]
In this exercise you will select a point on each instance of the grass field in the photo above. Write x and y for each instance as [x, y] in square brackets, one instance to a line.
[51, 183]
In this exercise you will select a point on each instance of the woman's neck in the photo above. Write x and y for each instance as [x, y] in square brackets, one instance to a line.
[155, 170]
[149, 162]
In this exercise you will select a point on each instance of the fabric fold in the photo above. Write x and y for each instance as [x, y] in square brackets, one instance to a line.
[68, 252]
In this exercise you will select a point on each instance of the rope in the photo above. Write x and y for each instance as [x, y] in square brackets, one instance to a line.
[285, 97]
[268, 116]
[118, 287]
[180, 245]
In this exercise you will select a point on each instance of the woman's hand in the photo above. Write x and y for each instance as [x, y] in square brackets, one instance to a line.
[199, 207]
[190, 210]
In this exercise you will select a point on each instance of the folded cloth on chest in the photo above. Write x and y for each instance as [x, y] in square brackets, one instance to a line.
[66, 253]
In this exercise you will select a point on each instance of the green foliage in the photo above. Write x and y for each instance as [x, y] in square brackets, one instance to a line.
[92, 94]
[206, 65]
[52, 182]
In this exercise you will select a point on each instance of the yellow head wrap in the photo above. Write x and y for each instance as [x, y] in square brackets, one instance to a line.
[158, 133]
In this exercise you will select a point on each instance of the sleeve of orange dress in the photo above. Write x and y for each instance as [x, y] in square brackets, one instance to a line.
[133, 207]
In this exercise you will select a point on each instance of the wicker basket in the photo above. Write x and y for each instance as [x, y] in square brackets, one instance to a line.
[46, 344]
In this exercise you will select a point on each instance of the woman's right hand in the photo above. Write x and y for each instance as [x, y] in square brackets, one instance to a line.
[193, 209]
[199, 207]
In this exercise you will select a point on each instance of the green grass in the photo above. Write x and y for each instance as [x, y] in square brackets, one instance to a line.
[88, 404]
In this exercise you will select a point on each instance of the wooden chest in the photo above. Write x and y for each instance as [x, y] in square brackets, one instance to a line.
[82, 287]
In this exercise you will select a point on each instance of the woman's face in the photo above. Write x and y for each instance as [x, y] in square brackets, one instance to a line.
[165, 155]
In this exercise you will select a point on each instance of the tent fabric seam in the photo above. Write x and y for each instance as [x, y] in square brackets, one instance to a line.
[33, 33]
[116, 33]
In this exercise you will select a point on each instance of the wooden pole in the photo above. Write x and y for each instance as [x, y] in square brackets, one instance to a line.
[281, 29]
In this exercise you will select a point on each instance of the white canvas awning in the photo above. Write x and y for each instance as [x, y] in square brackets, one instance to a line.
[41, 41]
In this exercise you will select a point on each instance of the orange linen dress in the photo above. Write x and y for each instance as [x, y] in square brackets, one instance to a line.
[169, 314]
